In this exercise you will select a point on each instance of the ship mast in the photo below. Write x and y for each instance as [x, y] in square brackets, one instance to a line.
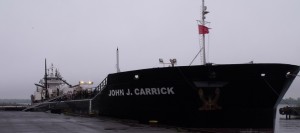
[202, 31]
[117, 65]
[203, 35]
[45, 78]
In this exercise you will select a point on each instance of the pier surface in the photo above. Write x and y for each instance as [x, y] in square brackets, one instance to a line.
[41, 122]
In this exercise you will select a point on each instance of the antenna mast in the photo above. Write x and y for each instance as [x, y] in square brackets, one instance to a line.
[203, 35]
[202, 31]
[117, 65]
[45, 78]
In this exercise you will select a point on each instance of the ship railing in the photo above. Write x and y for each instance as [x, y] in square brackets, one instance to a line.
[100, 87]
[97, 91]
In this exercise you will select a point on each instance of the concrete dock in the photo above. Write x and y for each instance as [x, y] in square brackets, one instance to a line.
[41, 122]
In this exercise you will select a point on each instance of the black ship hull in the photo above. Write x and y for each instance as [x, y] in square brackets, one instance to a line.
[208, 96]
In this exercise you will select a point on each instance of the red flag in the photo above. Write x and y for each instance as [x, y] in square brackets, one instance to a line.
[203, 29]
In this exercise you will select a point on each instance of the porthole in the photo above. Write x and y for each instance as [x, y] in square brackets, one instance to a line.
[136, 77]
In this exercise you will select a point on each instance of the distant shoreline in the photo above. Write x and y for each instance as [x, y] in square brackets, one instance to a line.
[15, 101]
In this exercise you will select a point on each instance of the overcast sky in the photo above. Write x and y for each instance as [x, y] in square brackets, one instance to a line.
[80, 37]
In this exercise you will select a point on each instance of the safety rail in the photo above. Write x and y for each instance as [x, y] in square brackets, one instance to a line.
[100, 87]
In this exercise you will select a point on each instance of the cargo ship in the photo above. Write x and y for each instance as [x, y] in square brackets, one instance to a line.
[224, 96]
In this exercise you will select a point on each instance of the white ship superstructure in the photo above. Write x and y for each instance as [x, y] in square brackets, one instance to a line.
[52, 85]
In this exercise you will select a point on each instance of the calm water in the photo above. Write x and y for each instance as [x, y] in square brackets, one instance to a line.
[286, 126]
